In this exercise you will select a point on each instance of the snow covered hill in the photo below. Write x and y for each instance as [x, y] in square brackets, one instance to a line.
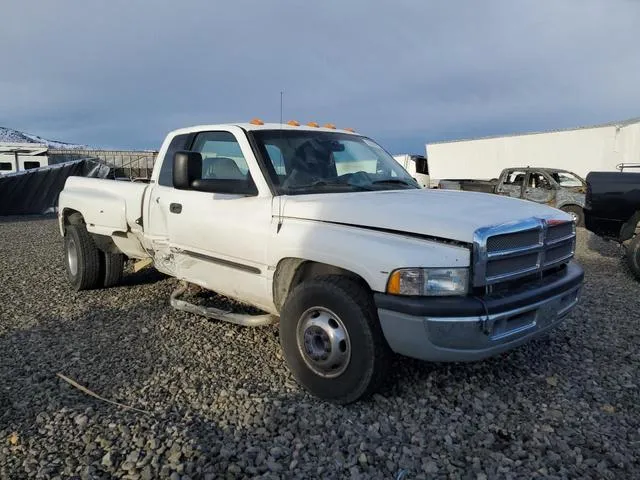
[9, 135]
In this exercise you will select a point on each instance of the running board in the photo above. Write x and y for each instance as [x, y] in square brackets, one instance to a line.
[244, 320]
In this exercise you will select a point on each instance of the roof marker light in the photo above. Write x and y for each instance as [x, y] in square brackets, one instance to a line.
[349, 130]
[256, 121]
[293, 123]
[312, 124]
[330, 125]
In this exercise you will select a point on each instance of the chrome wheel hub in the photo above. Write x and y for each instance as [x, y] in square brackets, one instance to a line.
[323, 342]
[72, 256]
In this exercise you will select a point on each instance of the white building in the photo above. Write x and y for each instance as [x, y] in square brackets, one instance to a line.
[581, 150]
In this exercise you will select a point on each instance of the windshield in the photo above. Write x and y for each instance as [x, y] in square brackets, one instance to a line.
[305, 161]
[567, 179]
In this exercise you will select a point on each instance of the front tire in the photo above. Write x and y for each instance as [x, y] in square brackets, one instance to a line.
[82, 258]
[332, 340]
[633, 256]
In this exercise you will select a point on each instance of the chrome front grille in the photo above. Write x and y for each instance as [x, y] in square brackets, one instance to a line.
[559, 253]
[514, 250]
[560, 231]
[513, 240]
[505, 266]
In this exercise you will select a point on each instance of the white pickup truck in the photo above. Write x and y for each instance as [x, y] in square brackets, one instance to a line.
[323, 231]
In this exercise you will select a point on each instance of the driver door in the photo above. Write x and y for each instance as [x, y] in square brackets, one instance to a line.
[219, 239]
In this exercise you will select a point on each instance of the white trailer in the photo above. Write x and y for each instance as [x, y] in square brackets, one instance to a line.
[581, 150]
[15, 157]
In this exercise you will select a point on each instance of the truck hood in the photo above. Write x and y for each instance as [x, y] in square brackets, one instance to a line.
[447, 214]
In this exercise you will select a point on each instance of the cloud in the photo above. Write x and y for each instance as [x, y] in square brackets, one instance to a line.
[121, 74]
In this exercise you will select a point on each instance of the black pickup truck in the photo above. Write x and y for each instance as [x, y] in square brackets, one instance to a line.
[612, 211]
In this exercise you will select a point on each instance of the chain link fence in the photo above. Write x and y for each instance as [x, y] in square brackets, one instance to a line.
[125, 164]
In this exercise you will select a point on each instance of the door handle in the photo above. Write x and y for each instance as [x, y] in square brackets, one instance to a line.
[175, 207]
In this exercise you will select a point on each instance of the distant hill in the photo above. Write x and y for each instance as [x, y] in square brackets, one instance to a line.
[9, 135]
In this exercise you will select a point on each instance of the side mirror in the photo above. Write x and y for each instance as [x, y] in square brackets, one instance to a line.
[187, 167]
[187, 175]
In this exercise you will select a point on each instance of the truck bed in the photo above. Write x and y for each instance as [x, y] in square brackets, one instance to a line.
[484, 186]
[107, 206]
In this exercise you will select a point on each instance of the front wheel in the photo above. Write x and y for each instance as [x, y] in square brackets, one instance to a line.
[332, 340]
[577, 214]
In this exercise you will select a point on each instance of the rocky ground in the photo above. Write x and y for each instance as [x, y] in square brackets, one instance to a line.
[216, 401]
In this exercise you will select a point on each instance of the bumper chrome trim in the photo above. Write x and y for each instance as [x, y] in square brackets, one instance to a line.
[461, 339]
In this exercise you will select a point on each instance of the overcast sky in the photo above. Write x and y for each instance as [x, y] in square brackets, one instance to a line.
[122, 74]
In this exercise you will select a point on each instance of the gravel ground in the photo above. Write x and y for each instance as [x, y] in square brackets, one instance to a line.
[222, 404]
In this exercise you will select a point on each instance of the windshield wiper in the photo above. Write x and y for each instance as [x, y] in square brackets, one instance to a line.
[396, 181]
[324, 183]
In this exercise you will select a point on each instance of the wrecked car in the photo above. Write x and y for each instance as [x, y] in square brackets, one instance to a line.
[557, 188]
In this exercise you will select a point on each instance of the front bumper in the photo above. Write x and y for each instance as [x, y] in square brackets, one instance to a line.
[450, 329]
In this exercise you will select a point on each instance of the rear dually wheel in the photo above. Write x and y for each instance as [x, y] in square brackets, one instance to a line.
[82, 258]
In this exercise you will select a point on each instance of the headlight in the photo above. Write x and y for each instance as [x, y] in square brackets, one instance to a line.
[429, 281]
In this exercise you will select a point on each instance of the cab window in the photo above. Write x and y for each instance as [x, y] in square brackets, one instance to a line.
[30, 164]
[515, 177]
[357, 157]
[166, 169]
[222, 158]
[566, 179]
[538, 180]
[421, 164]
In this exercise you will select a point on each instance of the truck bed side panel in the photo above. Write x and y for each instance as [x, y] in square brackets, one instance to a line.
[107, 206]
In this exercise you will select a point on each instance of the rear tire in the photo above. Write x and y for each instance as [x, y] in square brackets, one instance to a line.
[332, 340]
[82, 258]
[633, 256]
[113, 268]
[576, 212]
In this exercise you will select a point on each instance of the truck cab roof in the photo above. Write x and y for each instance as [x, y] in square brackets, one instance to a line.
[539, 169]
[253, 127]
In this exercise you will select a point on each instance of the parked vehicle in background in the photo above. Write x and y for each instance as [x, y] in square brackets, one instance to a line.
[612, 211]
[18, 157]
[325, 233]
[417, 166]
[554, 187]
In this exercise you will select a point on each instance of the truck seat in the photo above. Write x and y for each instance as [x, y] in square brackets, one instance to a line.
[221, 167]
